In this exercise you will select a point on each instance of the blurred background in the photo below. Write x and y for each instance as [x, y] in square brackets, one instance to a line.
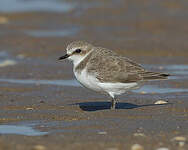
[43, 28]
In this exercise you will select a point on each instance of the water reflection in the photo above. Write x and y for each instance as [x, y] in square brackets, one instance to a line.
[34, 5]
[52, 33]
[155, 89]
[21, 130]
[145, 88]
[43, 82]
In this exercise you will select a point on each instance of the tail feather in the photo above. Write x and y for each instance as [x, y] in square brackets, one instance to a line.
[154, 76]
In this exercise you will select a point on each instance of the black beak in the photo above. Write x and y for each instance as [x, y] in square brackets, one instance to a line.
[63, 57]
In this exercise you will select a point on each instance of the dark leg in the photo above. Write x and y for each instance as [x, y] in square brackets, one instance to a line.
[113, 103]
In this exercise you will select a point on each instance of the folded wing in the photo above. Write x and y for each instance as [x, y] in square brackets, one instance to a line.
[110, 67]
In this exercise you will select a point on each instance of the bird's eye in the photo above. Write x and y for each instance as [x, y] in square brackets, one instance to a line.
[78, 50]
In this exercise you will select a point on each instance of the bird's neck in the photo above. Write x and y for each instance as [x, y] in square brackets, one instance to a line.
[79, 66]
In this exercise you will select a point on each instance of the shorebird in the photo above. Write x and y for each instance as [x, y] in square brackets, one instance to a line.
[103, 70]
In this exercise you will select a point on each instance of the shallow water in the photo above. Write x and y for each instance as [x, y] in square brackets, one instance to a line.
[28, 128]
[155, 89]
[52, 33]
[11, 6]
[3, 54]
[7, 62]
[172, 69]
[177, 67]
[176, 70]
[21, 130]
[43, 82]
[145, 88]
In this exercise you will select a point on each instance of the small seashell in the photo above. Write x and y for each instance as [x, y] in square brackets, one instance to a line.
[143, 92]
[137, 147]
[21, 56]
[112, 148]
[3, 20]
[102, 132]
[7, 63]
[162, 148]
[139, 134]
[179, 138]
[181, 144]
[29, 108]
[39, 147]
[160, 102]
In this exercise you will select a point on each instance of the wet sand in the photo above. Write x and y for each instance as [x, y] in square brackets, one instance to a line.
[43, 107]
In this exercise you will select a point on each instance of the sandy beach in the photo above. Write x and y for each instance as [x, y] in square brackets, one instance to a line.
[43, 107]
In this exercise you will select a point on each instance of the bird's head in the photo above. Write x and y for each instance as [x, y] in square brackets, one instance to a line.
[77, 51]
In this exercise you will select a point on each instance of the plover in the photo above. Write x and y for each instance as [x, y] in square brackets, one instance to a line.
[105, 71]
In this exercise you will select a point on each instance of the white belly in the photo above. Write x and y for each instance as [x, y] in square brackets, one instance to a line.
[93, 83]
[118, 88]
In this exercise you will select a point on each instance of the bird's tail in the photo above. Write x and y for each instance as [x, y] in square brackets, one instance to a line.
[155, 76]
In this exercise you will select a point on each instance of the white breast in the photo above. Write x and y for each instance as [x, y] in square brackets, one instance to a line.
[88, 80]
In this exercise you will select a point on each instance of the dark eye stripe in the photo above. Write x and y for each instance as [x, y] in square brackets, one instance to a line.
[78, 50]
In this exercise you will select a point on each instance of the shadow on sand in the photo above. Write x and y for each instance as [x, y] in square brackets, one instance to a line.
[95, 106]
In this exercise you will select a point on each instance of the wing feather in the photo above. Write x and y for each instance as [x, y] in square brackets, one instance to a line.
[110, 67]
